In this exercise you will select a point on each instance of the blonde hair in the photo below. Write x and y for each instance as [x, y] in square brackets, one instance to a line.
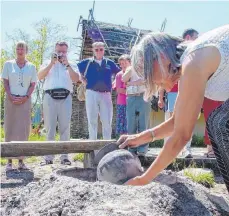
[124, 57]
[22, 44]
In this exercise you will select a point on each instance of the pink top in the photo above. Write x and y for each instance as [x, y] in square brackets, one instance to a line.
[121, 98]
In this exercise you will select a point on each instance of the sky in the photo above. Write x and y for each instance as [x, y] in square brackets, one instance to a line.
[180, 15]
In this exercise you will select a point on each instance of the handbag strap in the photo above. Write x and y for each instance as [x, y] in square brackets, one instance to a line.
[85, 73]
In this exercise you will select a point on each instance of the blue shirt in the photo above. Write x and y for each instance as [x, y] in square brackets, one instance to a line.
[98, 77]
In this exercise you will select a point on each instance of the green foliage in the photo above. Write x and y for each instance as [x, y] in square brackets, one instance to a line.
[3, 161]
[157, 144]
[206, 179]
[197, 141]
[32, 159]
[4, 57]
[78, 157]
[2, 134]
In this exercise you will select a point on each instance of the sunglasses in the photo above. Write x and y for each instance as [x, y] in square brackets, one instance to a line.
[97, 50]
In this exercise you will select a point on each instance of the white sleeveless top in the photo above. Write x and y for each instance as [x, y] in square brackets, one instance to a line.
[217, 87]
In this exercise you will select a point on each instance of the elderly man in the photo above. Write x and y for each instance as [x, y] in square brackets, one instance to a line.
[58, 75]
[97, 72]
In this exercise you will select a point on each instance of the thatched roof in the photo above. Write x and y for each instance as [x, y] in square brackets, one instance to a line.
[119, 39]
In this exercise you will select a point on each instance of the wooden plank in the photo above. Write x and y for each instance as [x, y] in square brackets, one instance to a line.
[34, 148]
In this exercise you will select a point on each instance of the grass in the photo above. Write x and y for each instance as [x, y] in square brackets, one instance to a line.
[78, 157]
[3, 161]
[32, 159]
[206, 179]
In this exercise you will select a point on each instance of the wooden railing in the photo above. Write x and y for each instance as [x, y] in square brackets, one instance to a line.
[38, 148]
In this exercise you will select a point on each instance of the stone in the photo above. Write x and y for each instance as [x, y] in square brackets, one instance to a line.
[118, 166]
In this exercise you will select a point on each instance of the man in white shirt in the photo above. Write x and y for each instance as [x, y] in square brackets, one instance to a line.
[58, 75]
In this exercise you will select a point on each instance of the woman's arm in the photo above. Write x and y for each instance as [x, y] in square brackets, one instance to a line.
[7, 87]
[161, 131]
[31, 89]
[127, 75]
[119, 84]
[189, 102]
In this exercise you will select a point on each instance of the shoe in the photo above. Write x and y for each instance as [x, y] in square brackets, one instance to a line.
[141, 154]
[210, 154]
[187, 153]
[9, 167]
[46, 162]
[22, 166]
[66, 162]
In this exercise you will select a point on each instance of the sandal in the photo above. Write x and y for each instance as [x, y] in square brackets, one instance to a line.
[9, 167]
[66, 162]
[22, 166]
[46, 162]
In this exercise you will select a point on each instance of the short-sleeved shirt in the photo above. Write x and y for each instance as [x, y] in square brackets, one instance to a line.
[121, 98]
[58, 76]
[99, 77]
[19, 78]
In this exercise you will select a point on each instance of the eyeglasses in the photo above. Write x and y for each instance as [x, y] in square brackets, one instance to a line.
[97, 50]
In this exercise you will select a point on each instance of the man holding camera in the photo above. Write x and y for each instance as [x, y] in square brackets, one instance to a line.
[58, 75]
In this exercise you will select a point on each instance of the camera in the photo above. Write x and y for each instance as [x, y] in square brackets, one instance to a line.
[58, 57]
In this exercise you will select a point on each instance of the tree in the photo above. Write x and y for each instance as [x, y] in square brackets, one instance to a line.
[3, 59]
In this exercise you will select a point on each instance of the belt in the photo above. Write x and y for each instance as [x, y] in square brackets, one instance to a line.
[138, 94]
[99, 91]
[18, 95]
[49, 91]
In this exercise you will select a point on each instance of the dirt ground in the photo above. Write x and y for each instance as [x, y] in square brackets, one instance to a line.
[66, 194]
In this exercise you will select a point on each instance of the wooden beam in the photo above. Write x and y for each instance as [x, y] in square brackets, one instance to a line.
[34, 148]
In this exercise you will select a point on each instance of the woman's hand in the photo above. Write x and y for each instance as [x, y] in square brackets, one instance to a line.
[161, 104]
[129, 84]
[137, 181]
[20, 100]
[128, 141]
[12, 98]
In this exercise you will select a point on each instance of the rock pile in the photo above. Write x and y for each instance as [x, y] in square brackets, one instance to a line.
[62, 195]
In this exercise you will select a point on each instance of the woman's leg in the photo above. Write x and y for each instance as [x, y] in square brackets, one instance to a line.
[218, 131]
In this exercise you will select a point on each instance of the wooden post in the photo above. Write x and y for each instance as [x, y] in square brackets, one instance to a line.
[18, 148]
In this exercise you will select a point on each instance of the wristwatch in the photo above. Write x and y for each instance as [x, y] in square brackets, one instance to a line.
[27, 96]
[67, 66]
